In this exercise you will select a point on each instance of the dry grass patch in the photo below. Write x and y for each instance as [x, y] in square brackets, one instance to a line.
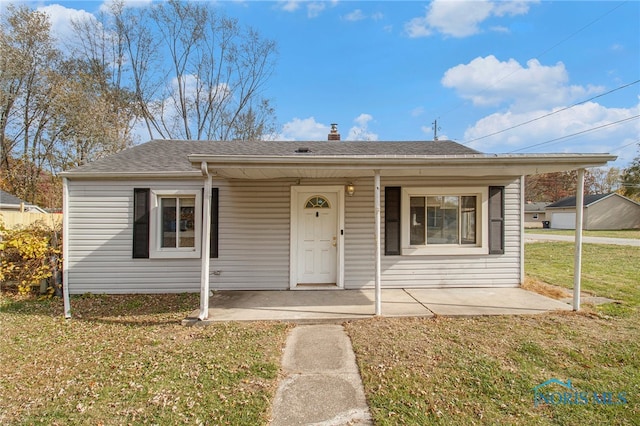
[552, 291]
[483, 370]
[127, 360]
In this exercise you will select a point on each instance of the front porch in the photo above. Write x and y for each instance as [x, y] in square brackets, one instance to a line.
[315, 306]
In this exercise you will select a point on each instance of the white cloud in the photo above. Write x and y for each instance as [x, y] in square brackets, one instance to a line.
[360, 132]
[289, 6]
[490, 82]
[417, 112]
[356, 15]
[359, 15]
[306, 129]
[461, 18]
[315, 8]
[61, 18]
[581, 118]
[417, 27]
[108, 4]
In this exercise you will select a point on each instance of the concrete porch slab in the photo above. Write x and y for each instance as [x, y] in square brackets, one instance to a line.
[485, 301]
[308, 305]
[317, 306]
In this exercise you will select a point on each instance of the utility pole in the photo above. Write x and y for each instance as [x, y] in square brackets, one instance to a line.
[435, 129]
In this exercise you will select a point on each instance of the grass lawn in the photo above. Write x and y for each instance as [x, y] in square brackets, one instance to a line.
[127, 360]
[483, 370]
[627, 233]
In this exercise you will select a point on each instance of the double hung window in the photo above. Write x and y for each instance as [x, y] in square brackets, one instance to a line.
[444, 221]
[176, 225]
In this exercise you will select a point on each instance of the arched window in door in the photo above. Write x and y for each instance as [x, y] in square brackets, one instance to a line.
[317, 202]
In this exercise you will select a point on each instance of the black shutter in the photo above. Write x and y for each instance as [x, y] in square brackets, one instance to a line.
[496, 220]
[392, 197]
[141, 223]
[213, 243]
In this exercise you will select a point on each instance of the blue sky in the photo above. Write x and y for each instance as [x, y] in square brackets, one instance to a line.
[387, 70]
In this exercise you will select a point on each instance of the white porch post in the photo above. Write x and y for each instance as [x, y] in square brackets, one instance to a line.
[206, 244]
[65, 248]
[522, 236]
[377, 241]
[577, 263]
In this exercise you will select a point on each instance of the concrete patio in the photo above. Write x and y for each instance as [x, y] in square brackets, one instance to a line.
[317, 306]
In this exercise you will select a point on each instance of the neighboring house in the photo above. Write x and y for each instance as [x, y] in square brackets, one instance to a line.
[601, 211]
[11, 203]
[183, 216]
[534, 214]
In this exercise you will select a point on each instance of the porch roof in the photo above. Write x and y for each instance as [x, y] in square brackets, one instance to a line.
[323, 159]
[324, 166]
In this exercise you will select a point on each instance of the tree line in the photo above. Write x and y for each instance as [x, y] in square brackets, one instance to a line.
[173, 70]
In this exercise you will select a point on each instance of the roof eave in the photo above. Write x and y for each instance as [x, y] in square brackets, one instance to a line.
[461, 165]
[131, 175]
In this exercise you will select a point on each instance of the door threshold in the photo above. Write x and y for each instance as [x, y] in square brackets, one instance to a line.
[317, 286]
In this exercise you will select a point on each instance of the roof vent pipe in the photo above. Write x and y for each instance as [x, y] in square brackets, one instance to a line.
[333, 134]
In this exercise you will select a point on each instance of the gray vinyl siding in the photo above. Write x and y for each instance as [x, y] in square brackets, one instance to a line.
[254, 236]
[254, 240]
[100, 242]
[429, 271]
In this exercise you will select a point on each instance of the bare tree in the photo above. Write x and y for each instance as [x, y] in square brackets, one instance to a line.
[601, 180]
[194, 73]
[27, 68]
[94, 117]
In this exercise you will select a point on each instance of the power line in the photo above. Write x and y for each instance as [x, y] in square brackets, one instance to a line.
[544, 52]
[576, 134]
[625, 145]
[551, 113]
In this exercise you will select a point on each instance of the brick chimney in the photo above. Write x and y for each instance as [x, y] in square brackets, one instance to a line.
[333, 134]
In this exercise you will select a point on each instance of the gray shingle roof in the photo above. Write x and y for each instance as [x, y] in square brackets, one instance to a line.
[571, 201]
[6, 198]
[535, 207]
[171, 156]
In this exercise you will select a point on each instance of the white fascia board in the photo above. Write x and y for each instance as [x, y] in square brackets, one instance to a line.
[471, 165]
[132, 175]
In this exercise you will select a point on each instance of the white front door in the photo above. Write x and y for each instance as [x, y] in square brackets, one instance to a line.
[316, 231]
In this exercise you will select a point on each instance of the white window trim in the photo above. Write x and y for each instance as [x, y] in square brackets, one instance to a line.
[482, 242]
[158, 252]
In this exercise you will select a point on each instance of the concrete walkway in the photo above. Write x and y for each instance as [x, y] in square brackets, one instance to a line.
[589, 240]
[336, 306]
[322, 385]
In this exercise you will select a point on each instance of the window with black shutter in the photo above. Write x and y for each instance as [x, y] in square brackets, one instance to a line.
[496, 220]
[213, 244]
[141, 198]
[392, 201]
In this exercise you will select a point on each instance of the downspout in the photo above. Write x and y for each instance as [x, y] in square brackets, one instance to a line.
[206, 243]
[577, 263]
[378, 300]
[65, 248]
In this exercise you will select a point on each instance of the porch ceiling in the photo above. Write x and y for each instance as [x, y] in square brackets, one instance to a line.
[273, 167]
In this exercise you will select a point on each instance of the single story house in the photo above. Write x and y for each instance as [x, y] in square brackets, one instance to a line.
[11, 203]
[601, 211]
[187, 216]
[534, 214]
